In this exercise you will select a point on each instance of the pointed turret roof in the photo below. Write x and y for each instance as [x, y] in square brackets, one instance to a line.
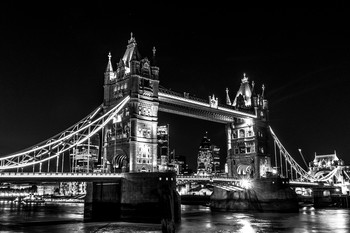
[131, 52]
[244, 90]
[109, 65]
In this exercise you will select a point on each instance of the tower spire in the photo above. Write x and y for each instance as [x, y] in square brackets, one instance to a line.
[109, 65]
[245, 78]
[263, 91]
[154, 50]
[228, 101]
[132, 39]
[154, 62]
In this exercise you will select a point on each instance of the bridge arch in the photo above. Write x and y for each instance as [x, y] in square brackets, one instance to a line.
[120, 161]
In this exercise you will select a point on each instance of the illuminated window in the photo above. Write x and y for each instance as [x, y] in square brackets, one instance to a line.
[242, 150]
[234, 134]
[250, 133]
[241, 133]
[261, 149]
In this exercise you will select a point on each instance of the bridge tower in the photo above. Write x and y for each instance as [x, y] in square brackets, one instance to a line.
[248, 150]
[130, 141]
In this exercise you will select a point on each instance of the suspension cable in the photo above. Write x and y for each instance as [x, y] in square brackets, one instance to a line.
[61, 143]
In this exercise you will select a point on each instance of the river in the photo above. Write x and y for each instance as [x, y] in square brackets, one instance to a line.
[68, 217]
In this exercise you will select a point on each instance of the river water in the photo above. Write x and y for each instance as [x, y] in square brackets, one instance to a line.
[68, 217]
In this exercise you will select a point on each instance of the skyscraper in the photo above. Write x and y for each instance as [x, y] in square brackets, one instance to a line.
[208, 160]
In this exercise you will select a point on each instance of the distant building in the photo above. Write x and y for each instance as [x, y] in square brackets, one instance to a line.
[208, 160]
[180, 165]
[324, 164]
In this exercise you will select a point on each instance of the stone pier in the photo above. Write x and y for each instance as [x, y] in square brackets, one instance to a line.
[135, 197]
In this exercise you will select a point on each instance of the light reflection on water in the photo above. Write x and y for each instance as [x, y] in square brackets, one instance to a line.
[201, 219]
[68, 217]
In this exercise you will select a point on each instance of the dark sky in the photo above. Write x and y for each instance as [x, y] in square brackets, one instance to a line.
[52, 62]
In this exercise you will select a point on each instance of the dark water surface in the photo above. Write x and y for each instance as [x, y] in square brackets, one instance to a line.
[68, 217]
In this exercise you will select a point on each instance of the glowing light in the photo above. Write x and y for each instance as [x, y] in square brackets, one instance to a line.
[117, 119]
[246, 184]
[249, 121]
[246, 227]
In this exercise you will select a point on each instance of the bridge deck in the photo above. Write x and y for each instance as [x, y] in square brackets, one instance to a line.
[57, 177]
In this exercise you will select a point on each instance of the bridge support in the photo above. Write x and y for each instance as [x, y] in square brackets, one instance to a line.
[136, 197]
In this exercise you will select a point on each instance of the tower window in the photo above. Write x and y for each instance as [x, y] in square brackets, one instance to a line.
[261, 149]
[241, 133]
[234, 134]
[250, 133]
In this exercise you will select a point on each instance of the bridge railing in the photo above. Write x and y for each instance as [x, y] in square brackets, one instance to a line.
[182, 95]
[58, 174]
[180, 177]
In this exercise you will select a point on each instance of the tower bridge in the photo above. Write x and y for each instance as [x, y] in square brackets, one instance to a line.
[126, 125]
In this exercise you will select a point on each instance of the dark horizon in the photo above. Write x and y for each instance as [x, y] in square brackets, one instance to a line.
[52, 66]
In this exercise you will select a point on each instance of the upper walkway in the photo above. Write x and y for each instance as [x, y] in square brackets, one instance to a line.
[186, 105]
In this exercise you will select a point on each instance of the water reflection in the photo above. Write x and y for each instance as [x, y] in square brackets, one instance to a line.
[200, 219]
[68, 217]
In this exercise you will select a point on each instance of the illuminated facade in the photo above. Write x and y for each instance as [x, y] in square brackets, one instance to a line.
[205, 157]
[130, 142]
[208, 160]
[322, 165]
[248, 154]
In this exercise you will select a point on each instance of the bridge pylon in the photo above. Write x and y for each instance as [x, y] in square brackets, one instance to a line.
[248, 153]
[130, 142]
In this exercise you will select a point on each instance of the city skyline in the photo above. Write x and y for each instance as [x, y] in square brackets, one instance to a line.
[53, 63]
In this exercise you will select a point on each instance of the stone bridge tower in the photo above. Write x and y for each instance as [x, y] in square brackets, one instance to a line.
[248, 147]
[130, 141]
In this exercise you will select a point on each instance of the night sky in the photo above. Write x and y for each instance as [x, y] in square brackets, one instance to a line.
[52, 63]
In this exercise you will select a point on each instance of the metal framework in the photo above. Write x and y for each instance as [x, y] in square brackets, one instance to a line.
[304, 175]
[54, 147]
[321, 176]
